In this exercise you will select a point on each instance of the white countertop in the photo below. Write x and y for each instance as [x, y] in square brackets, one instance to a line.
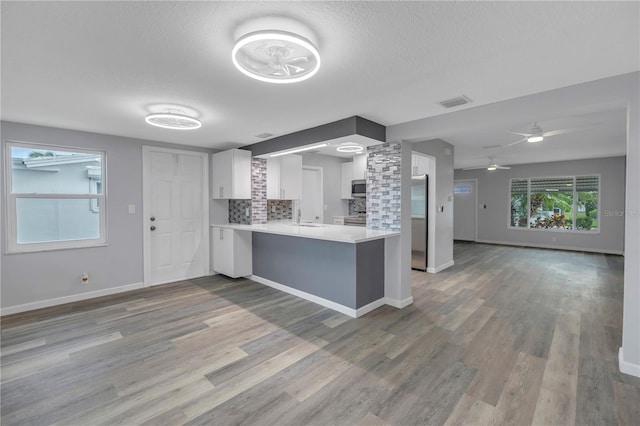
[340, 233]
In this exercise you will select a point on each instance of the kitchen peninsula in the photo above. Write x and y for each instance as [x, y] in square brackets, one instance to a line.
[340, 267]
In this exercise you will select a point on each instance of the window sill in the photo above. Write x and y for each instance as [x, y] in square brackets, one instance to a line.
[40, 249]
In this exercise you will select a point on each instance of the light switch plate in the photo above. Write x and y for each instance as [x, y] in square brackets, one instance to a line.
[132, 209]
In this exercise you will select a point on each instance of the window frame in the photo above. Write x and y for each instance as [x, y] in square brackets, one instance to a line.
[10, 201]
[575, 205]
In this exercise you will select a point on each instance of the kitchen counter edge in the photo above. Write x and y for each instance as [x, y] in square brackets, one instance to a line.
[338, 233]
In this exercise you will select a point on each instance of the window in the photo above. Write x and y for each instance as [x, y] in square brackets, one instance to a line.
[560, 203]
[55, 197]
[462, 188]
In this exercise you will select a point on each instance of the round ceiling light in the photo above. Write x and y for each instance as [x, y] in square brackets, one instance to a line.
[276, 57]
[350, 148]
[173, 120]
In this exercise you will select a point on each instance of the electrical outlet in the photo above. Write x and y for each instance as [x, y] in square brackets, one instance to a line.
[84, 278]
[247, 212]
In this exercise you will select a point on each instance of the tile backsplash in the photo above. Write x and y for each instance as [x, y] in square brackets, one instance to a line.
[238, 212]
[279, 209]
[259, 190]
[357, 205]
[383, 186]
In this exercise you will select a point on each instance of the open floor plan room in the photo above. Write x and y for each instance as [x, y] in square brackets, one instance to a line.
[506, 336]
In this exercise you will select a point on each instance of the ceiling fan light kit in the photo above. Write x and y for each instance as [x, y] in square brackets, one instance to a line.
[276, 57]
[535, 138]
[174, 120]
[350, 147]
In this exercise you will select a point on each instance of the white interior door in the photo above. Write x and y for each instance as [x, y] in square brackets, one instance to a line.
[464, 210]
[175, 215]
[311, 204]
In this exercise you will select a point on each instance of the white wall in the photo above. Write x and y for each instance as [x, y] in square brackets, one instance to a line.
[331, 171]
[494, 192]
[440, 242]
[32, 280]
[630, 350]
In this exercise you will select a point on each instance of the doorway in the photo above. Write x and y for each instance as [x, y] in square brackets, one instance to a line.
[175, 215]
[465, 211]
[311, 199]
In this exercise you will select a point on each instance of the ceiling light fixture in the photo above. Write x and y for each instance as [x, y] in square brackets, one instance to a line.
[535, 138]
[536, 134]
[276, 57]
[173, 119]
[293, 151]
[351, 148]
[491, 167]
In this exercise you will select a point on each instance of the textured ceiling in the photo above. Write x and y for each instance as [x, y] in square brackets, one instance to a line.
[102, 66]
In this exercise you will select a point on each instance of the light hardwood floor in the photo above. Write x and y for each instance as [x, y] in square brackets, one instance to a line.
[507, 336]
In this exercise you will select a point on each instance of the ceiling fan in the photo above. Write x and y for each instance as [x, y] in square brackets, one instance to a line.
[536, 134]
[491, 166]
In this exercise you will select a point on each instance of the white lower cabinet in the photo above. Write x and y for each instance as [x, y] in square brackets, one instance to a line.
[231, 252]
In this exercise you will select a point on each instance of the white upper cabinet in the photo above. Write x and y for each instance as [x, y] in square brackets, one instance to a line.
[231, 175]
[360, 166]
[419, 165]
[345, 180]
[284, 177]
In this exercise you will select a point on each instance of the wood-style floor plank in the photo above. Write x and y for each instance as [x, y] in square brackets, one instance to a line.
[506, 336]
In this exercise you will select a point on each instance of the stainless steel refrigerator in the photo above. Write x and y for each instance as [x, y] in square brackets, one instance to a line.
[419, 221]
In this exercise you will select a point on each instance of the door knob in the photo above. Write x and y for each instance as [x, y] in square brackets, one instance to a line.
[153, 228]
[152, 218]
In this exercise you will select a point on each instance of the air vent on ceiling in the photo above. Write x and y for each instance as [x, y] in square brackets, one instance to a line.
[454, 102]
[264, 135]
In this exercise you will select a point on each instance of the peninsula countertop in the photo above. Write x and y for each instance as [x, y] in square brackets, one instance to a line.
[318, 231]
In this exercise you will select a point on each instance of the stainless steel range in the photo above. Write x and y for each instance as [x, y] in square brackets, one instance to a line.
[359, 220]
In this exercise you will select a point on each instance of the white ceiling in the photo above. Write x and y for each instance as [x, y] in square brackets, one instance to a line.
[102, 66]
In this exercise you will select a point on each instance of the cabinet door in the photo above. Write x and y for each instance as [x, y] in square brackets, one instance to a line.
[291, 177]
[421, 165]
[241, 175]
[222, 250]
[360, 167]
[345, 180]
[221, 175]
[273, 179]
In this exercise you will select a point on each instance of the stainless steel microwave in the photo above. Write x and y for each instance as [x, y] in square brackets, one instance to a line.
[359, 188]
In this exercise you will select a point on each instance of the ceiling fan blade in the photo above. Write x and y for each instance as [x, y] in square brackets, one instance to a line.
[295, 68]
[516, 142]
[475, 168]
[569, 130]
[521, 134]
[298, 59]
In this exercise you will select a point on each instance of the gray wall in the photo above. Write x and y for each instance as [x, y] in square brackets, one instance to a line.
[441, 223]
[493, 190]
[331, 180]
[34, 277]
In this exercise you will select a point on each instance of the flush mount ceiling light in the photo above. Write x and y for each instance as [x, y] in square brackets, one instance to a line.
[350, 148]
[173, 119]
[293, 151]
[276, 57]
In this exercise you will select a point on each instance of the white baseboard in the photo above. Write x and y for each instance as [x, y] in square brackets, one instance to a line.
[370, 307]
[546, 246]
[441, 267]
[353, 313]
[304, 295]
[399, 303]
[68, 299]
[627, 367]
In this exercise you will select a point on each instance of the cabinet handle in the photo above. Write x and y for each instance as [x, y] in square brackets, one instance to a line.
[221, 234]
[221, 192]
